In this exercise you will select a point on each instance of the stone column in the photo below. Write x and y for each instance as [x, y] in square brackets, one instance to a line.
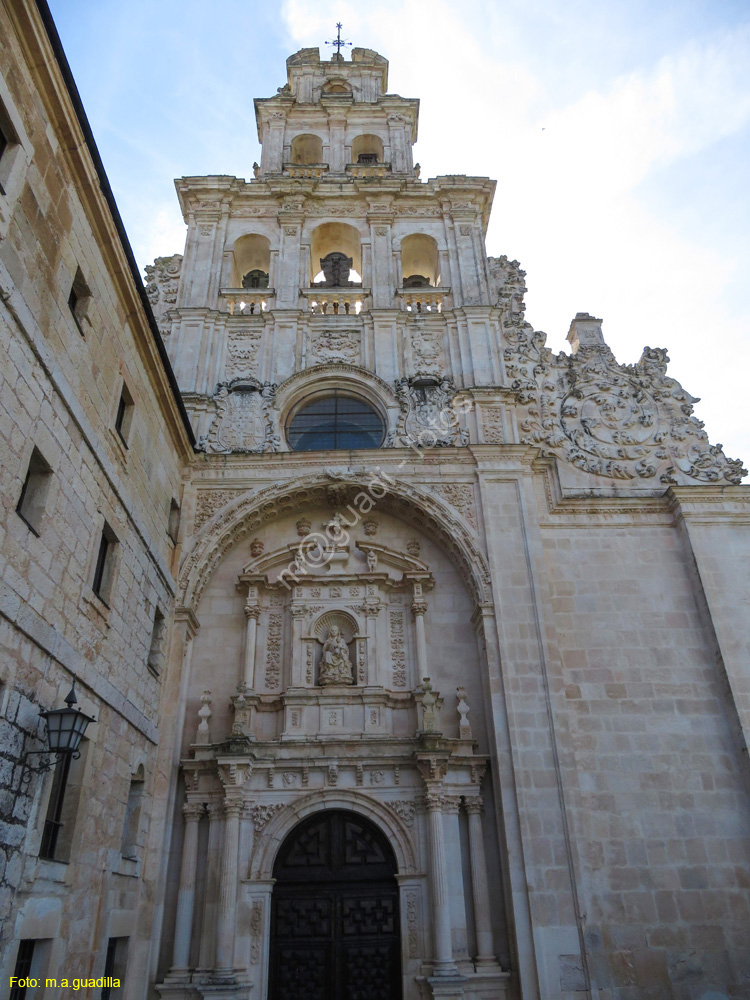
[441, 918]
[227, 915]
[456, 900]
[192, 811]
[252, 614]
[419, 609]
[480, 893]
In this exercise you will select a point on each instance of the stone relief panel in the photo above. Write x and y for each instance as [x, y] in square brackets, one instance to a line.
[427, 351]
[162, 285]
[243, 350]
[460, 496]
[245, 420]
[628, 423]
[210, 501]
[336, 346]
[398, 648]
[273, 651]
[492, 425]
[429, 417]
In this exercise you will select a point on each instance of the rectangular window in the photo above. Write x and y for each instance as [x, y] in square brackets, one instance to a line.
[79, 299]
[114, 966]
[105, 558]
[22, 970]
[124, 416]
[131, 827]
[156, 650]
[16, 153]
[174, 520]
[33, 498]
[62, 808]
[53, 820]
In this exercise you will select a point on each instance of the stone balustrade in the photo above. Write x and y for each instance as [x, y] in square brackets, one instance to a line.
[248, 301]
[336, 301]
[368, 170]
[423, 300]
[306, 170]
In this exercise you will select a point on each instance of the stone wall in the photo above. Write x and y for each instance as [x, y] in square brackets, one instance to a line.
[62, 372]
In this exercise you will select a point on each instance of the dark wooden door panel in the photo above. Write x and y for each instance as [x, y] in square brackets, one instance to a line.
[334, 917]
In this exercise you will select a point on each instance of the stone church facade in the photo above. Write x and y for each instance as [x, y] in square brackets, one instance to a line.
[432, 679]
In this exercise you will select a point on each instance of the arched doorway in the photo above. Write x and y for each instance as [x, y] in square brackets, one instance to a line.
[335, 915]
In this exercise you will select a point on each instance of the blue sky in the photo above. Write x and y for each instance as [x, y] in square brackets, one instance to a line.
[619, 134]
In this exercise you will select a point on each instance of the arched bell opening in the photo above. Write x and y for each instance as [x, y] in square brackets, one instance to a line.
[251, 262]
[335, 256]
[367, 149]
[335, 911]
[306, 149]
[420, 261]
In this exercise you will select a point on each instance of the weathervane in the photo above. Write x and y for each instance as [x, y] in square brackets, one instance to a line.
[338, 42]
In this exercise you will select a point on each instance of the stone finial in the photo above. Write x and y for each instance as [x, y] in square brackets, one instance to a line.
[585, 331]
[431, 702]
[203, 735]
[464, 729]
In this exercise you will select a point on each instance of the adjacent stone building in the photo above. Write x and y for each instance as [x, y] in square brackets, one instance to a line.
[441, 686]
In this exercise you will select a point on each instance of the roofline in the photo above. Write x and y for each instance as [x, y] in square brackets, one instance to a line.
[75, 99]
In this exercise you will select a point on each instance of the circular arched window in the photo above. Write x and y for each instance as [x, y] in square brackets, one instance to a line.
[335, 422]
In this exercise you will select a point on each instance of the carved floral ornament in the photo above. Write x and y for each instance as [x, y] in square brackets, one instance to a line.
[622, 422]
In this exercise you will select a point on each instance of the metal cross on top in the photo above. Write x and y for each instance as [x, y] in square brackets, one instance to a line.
[338, 42]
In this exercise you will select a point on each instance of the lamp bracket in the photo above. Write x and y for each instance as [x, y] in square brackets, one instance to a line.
[45, 764]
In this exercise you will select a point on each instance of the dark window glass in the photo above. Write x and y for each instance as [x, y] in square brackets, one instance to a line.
[120, 417]
[23, 967]
[109, 966]
[3, 141]
[53, 822]
[335, 422]
[101, 562]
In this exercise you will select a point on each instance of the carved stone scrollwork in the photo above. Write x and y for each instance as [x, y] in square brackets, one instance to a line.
[162, 285]
[627, 423]
[406, 811]
[263, 813]
[245, 419]
[243, 349]
[428, 416]
[209, 501]
[336, 346]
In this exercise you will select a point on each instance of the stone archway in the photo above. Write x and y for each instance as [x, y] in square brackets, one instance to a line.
[335, 912]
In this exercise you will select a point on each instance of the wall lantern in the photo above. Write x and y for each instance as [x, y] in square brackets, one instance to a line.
[65, 729]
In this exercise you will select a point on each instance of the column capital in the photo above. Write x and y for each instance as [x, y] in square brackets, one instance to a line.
[474, 804]
[434, 800]
[451, 804]
[419, 608]
[233, 807]
[192, 811]
[252, 611]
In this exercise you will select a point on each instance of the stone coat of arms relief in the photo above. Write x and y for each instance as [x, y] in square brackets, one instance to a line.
[629, 423]
[244, 419]
[429, 416]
